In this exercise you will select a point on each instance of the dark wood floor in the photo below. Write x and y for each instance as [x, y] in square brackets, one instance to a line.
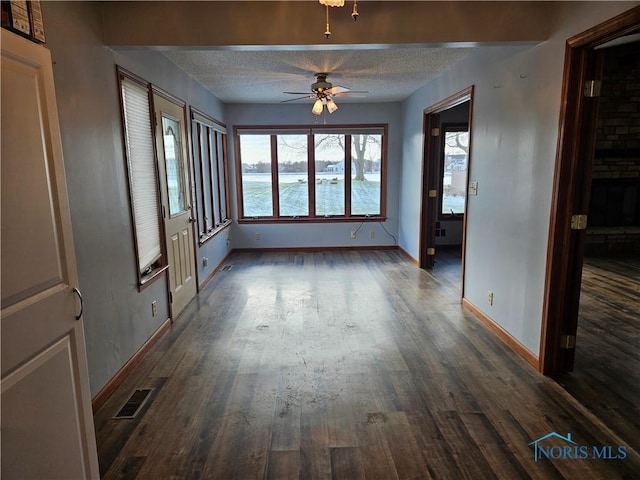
[342, 365]
[606, 378]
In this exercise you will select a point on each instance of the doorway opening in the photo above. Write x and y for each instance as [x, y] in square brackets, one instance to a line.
[591, 310]
[446, 161]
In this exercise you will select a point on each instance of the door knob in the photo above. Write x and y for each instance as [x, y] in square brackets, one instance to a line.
[81, 302]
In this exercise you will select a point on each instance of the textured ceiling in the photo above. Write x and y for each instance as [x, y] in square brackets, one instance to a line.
[260, 76]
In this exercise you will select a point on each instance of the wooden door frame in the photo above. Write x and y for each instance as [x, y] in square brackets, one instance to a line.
[428, 211]
[570, 190]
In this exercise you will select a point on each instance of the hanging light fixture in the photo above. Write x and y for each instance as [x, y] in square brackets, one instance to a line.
[321, 102]
[337, 3]
[317, 107]
[331, 106]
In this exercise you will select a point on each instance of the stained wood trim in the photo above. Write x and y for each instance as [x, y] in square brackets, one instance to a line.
[409, 257]
[428, 113]
[314, 249]
[471, 91]
[103, 395]
[560, 301]
[310, 127]
[215, 232]
[502, 334]
[450, 102]
[311, 169]
[623, 24]
[346, 129]
[162, 264]
[275, 185]
[348, 174]
[195, 112]
[323, 219]
[215, 270]
[169, 97]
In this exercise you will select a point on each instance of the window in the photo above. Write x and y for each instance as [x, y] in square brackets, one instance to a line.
[311, 173]
[142, 174]
[210, 173]
[455, 160]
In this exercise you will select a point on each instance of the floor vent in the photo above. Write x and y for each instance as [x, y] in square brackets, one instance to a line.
[131, 408]
[226, 268]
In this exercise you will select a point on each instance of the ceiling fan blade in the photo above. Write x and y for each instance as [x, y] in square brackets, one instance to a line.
[294, 99]
[336, 89]
[352, 93]
[297, 93]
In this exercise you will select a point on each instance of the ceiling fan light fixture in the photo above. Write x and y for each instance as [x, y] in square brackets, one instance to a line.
[331, 106]
[317, 107]
[332, 3]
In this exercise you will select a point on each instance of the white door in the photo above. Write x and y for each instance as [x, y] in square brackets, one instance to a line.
[171, 143]
[47, 423]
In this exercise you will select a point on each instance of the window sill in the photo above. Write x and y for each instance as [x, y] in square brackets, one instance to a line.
[148, 279]
[458, 217]
[208, 236]
[329, 219]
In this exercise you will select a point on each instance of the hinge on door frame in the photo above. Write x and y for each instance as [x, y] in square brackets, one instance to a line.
[431, 251]
[435, 132]
[592, 88]
[567, 342]
[578, 222]
[170, 297]
[433, 193]
[164, 213]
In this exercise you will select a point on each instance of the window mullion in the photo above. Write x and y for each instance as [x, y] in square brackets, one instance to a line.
[201, 153]
[274, 176]
[311, 167]
[211, 143]
[347, 175]
[225, 179]
[216, 165]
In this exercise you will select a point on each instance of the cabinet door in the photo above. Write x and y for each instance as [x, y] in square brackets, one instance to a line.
[47, 423]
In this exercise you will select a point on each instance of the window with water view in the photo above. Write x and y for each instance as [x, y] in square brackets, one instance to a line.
[311, 173]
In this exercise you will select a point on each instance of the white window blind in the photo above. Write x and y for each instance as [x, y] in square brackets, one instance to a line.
[142, 172]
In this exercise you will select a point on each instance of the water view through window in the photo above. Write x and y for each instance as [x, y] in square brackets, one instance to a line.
[344, 179]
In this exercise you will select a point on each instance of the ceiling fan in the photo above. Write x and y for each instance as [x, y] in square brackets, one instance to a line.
[324, 92]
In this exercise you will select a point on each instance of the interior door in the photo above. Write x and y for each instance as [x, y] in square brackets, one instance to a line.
[176, 200]
[47, 423]
[431, 183]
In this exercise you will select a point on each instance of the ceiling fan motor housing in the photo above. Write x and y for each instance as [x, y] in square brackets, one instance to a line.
[321, 83]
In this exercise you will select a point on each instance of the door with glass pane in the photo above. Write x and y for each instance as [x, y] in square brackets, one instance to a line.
[176, 200]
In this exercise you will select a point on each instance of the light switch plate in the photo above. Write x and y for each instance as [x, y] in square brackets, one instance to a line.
[473, 188]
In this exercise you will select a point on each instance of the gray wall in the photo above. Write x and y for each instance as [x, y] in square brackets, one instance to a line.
[322, 234]
[513, 154]
[117, 315]
[515, 129]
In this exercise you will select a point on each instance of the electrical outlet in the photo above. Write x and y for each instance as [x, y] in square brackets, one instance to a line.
[490, 298]
[205, 261]
[372, 234]
[154, 308]
[258, 236]
[353, 234]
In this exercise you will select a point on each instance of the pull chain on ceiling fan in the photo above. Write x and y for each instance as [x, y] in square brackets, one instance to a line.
[337, 3]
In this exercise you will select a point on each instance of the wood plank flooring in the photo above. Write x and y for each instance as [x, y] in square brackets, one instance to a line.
[342, 365]
[606, 377]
